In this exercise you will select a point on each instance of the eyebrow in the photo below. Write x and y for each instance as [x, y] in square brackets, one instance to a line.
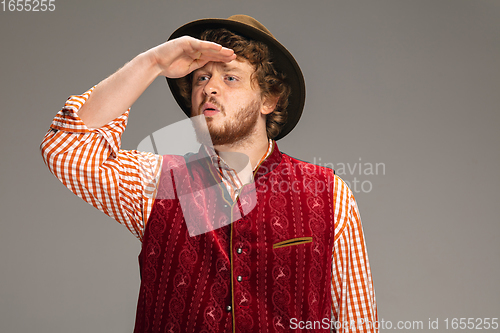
[229, 68]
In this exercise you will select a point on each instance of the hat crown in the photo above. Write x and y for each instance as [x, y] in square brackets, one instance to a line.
[248, 20]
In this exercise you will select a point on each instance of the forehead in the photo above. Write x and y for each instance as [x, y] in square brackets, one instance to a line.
[238, 65]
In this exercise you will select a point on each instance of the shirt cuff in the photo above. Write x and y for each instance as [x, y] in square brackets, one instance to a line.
[68, 120]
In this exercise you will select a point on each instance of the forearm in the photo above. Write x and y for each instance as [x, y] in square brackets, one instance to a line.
[114, 95]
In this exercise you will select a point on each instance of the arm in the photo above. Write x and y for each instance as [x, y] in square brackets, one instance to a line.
[89, 163]
[82, 146]
[173, 59]
[353, 295]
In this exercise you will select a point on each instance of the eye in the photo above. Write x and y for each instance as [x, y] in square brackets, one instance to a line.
[202, 78]
[231, 78]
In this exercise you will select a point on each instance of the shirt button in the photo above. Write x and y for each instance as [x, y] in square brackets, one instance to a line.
[228, 308]
[239, 278]
[239, 251]
[225, 206]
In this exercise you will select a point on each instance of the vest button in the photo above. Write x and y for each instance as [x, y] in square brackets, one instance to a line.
[228, 308]
[239, 278]
[239, 250]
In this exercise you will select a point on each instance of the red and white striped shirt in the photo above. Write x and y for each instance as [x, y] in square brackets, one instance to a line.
[122, 184]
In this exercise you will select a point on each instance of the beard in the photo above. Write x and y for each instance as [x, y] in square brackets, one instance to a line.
[234, 129]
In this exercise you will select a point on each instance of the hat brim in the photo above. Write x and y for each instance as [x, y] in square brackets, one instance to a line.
[282, 59]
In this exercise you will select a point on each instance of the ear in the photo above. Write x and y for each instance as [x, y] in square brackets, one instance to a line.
[269, 104]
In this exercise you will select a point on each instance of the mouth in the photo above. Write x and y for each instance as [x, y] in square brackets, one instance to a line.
[209, 110]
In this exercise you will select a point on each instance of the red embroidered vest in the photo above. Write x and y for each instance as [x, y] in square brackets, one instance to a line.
[265, 272]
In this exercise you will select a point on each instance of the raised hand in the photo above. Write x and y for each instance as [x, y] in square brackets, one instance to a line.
[181, 56]
[175, 58]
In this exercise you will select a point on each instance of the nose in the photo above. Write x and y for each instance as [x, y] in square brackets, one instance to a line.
[212, 87]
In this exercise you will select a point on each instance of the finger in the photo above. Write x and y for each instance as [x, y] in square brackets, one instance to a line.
[213, 48]
[206, 57]
[217, 57]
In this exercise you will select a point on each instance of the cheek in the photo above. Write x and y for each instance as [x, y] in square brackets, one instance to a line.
[195, 97]
[194, 93]
[195, 103]
[245, 99]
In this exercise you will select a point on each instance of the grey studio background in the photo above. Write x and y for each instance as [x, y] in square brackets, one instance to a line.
[412, 86]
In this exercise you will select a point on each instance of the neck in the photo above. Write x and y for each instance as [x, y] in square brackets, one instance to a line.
[254, 149]
[244, 156]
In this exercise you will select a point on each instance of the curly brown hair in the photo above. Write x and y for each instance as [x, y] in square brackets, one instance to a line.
[271, 82]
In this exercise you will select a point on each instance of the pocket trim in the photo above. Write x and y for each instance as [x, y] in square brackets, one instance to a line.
[293, 241]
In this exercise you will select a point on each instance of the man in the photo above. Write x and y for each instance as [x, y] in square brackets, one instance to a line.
[273, 246]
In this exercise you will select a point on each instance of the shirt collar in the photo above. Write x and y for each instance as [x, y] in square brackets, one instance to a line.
[218, 162]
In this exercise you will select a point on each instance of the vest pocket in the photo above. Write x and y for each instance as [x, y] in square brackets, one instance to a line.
[293, 241]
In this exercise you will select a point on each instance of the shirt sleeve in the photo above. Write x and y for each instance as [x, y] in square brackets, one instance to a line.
[90, 163]
[353, 295]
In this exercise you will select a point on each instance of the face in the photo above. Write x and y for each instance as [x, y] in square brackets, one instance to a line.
[231, 103]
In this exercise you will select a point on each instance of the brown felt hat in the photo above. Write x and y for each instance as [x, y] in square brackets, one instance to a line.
[282, 59]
